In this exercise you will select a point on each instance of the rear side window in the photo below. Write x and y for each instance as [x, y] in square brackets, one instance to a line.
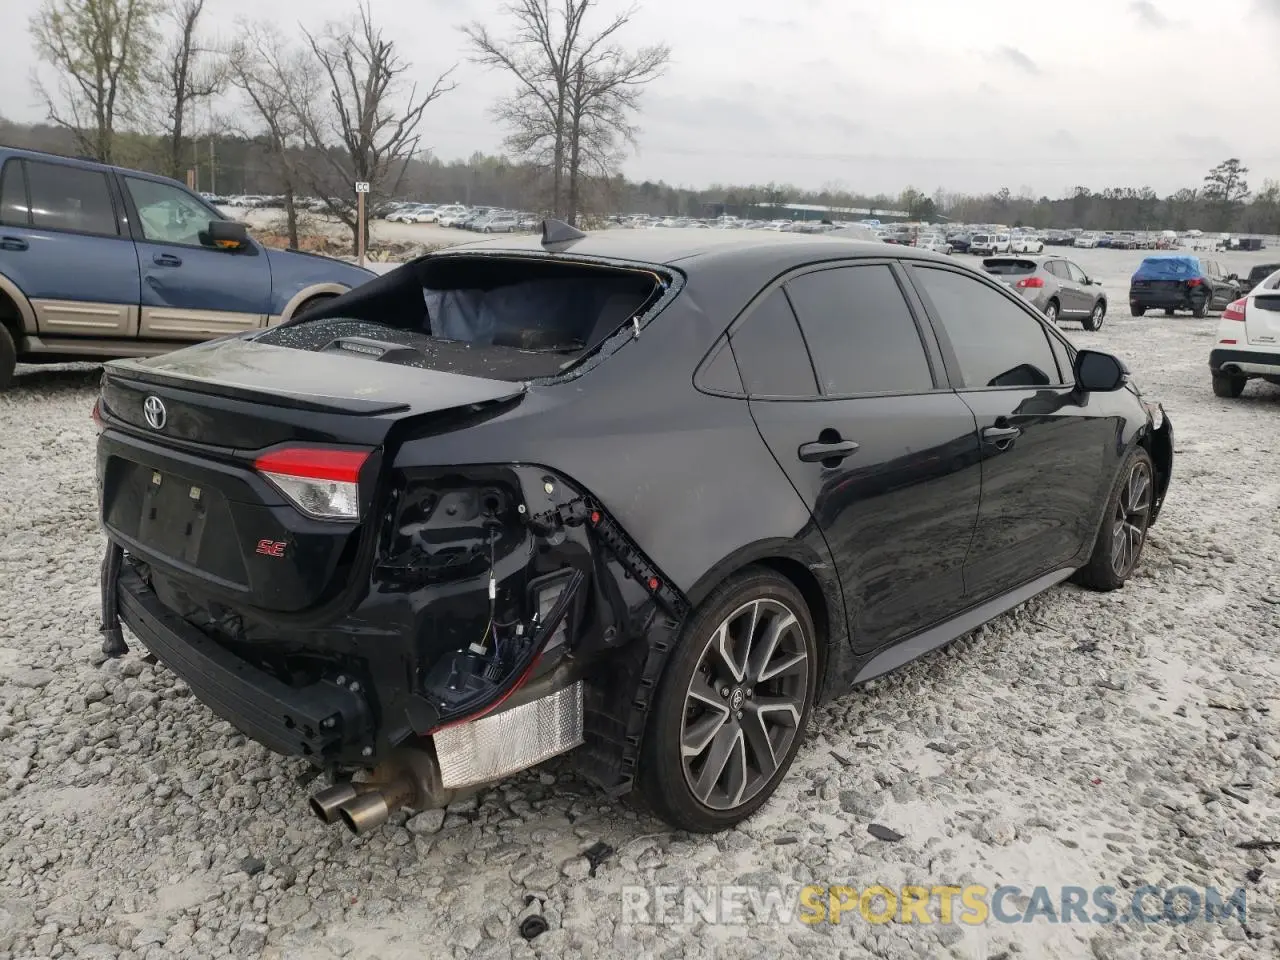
[1057, 268]
[996, 342]
[70, 198]
[860, 331]
[771, 353]
[13, 194]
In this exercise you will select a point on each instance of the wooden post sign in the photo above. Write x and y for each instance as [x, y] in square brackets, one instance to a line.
[362, 187]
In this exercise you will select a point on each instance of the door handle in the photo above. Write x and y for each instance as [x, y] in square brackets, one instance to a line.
[13, 243]
[824, 450]
[1002, 437]
[166, 260]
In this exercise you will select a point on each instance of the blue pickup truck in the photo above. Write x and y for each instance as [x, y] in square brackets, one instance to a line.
[99, 262]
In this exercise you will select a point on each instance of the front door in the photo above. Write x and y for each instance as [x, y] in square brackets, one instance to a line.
[1081, 294]
[1043, 444]
[62, 245]
[885, 456]
[191, 291]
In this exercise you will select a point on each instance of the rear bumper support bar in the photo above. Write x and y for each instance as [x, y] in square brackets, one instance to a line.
[318, 721]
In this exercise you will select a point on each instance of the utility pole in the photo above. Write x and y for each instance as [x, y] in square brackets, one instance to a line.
[213, 176]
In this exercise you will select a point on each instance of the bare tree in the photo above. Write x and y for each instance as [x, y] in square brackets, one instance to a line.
[362, 129]
[576, 90]
[98, 49]
[186, 72]
[270, 75]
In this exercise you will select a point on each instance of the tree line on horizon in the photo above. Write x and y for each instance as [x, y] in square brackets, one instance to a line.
[313, 113]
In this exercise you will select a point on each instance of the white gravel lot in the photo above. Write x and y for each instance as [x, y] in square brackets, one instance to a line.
[1083, 739]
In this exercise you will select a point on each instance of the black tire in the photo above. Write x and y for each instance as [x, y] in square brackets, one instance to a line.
[311, 303]
[682, 716]
[1200, 310]
[1137, 311]
[1168, 312]
[8, 358]
[1228, 386]
[1051, 311]
[1096, 317]
[1109, 566]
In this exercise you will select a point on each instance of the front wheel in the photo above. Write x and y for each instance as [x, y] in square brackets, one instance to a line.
[1094, 320]
[1124, 526]
[732, 704]
[1137, 311]
[1227, 385]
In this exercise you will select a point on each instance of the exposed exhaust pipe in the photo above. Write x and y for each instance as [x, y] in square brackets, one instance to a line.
[408, 778]
[372, 808]
[325, 804]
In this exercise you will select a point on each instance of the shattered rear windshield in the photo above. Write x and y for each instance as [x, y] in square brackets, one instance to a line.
[513, 318]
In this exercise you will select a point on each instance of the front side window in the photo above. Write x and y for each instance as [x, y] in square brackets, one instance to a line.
[167, 214]
[860, 331]
[996, 342]
[1077, 275]
[64, 197]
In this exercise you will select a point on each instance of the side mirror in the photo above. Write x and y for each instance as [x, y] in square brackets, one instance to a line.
[226, 235]
[1098, 372]
[1095, 282]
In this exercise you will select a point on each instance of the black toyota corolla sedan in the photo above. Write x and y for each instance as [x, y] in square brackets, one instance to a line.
[640, 497]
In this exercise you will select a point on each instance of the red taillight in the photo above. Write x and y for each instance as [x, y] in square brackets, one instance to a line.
[320, 481]
[1033, 282]
[314, 463]
[98, 423]
[1235, 310]
[1194, 282]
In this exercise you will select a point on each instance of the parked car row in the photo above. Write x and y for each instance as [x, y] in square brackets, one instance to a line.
[479, 219]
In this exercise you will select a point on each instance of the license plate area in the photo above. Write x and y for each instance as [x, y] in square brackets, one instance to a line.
[174, 518]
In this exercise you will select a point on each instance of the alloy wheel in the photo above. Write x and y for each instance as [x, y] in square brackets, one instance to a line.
[744, 704]
[1129, 525]
[1051, 312]
[1098, 314]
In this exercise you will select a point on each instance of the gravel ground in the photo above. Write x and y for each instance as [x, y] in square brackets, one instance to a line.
[1082, 739]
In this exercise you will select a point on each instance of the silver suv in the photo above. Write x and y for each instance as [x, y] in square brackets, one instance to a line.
[1057, 287]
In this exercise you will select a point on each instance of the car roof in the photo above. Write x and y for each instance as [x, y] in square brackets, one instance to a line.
[692, 248]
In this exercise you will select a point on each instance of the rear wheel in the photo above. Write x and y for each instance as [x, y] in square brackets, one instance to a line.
[732, 704]
[8, 358]
[1137, 311]
[1094, 320]
[310, 304]
[1200, 309]
[1168, 312]
[1228, 385]
[1051, 311]
[1124, 526]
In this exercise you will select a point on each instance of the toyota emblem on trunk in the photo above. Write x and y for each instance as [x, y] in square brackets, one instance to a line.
[153, 409]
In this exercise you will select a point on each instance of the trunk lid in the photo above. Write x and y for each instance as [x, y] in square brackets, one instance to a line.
[1262, 319]
[187, 497]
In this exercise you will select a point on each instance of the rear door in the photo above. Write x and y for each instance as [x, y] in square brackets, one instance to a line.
[1076, 289]
[1044, 448]
[872, 437]
[62, 244]
[191, 291]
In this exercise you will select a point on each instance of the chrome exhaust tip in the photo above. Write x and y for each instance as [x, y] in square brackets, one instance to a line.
[326, 803]
[372, 808]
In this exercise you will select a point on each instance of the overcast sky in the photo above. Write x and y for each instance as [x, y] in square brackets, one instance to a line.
[876, 95]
